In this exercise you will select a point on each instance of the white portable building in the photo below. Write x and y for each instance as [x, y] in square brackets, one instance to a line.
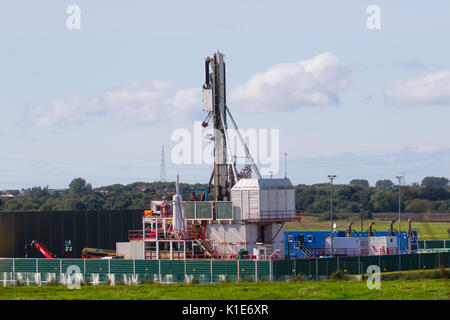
[263, 199]
[355, 246]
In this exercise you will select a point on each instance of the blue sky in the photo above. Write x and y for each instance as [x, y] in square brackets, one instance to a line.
[100, 101]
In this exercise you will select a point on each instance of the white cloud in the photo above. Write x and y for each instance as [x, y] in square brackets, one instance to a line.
[288, 86]
[428, 148]
[285, 86]
[431, 89]
[136, 102]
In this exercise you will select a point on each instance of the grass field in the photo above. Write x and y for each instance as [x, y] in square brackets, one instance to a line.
[425, 289]
[426, 230]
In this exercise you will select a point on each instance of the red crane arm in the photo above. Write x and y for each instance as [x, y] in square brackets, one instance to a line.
[43, 250]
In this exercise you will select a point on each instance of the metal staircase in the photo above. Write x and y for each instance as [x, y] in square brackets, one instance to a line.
[305, 249]
[207, 247]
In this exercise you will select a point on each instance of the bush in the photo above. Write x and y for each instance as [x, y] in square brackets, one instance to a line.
[52, 282]
[195, 280]
[338, 275]
[108, 282]
[434, 274]
[246, 279]
[299, 277]
[147, 281]
[120, 282]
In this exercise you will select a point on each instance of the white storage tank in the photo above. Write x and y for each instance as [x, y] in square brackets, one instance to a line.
[263, 199]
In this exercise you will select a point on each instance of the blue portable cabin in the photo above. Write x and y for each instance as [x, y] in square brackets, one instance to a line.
[300, 244]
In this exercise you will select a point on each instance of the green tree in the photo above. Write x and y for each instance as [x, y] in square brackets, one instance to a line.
[435, 182]
[384, 201]
[434, 193]
[418, 206]
[93, 201]
[79, 186]
[384, 184]
[12, 205]
[70, 204]
[360, 182]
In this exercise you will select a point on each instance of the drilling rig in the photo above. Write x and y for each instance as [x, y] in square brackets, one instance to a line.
[246, 215]
[215, 103]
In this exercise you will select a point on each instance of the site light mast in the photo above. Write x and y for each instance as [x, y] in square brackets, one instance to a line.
[331, 177]
[399, 207]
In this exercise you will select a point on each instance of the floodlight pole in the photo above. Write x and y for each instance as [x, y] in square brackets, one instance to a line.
[399, 207]
[285, 165]
[331, 177]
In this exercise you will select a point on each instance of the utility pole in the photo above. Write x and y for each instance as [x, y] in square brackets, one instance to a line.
[285, 165]
[399, 207]
[331, 177]
[162, 173]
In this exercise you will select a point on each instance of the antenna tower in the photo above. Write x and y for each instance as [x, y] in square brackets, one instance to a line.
[162, 174]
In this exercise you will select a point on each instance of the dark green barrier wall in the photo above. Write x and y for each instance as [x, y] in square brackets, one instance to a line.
[94, 229]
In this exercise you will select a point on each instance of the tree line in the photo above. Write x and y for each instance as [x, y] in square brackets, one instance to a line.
[432, 195]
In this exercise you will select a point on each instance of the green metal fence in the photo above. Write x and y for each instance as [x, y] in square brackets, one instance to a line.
[433, 244]
[212, 271]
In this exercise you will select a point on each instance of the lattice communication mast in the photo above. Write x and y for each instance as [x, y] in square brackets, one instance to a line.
[162, 174]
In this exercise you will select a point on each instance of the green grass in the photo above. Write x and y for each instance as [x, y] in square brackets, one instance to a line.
[426, 230]
[427, 289]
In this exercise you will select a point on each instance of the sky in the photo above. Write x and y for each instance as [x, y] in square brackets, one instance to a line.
[354, 92]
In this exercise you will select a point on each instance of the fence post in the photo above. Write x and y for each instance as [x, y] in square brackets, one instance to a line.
[159, 270]
[317, 271]
[134, 267]
[309, 269]
[419, 262]
[439, 258]
[238, 269]
[256, 270]
[270, 270]
[211, 272]
[37, 266]
[379, 261]
[109, 268]
[359, 265]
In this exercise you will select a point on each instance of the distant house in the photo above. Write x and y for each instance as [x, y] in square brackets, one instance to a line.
[57, 191]
[7, 196]
[14, 193]
[104, 193]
